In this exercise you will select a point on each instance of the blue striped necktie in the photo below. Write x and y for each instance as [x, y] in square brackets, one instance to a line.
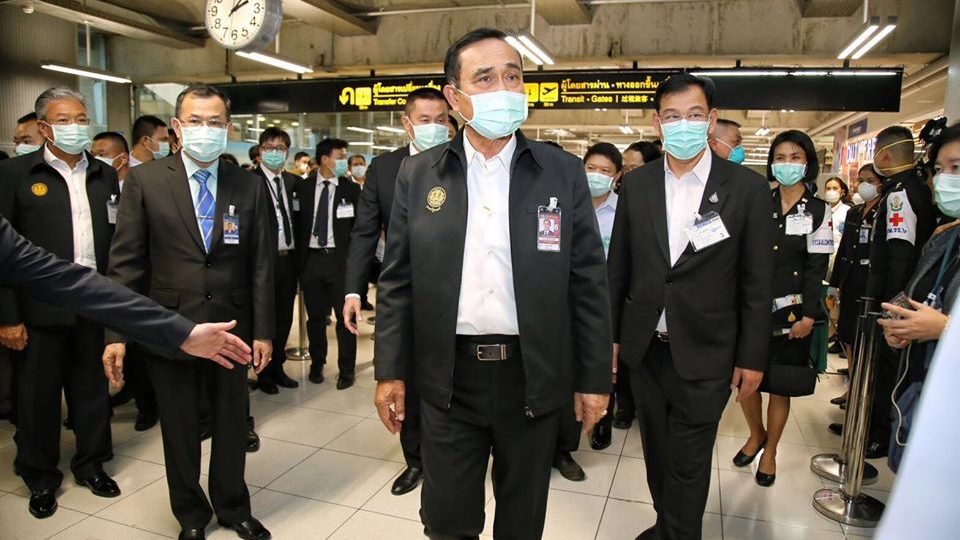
[205, 207]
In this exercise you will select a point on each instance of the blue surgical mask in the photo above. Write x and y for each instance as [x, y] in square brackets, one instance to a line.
[71, 138]
[599, 184]
[24, 149]
[946, 193]
[497, 114]
[273, 159]
[737, 155]
[340, 168]
[163, 151]
[426, 136]
[684, 139]
[789, 174]
[204, 143]
[358, 171]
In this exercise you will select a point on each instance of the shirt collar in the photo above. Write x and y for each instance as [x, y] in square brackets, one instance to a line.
[335, 181]
[192, 167]
[505, 155]
[610, 203]
[52, 160]
[269, 174]
[134, 161]
[701, 171]
[413, 149]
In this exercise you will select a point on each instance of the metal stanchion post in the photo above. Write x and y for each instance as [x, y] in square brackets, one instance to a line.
[300, 353]
[833, 466]
[846, 504]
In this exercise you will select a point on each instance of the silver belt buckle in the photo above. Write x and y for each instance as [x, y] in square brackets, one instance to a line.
[503, 353]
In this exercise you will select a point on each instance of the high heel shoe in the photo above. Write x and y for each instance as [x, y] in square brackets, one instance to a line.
[742, 460]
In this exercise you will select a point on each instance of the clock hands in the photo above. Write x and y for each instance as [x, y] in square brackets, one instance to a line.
[238, 5]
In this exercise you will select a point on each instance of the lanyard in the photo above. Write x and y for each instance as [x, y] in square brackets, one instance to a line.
[933, 297]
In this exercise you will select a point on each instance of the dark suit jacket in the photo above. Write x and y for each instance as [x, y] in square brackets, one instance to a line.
[40, 275]
[157, 236]
[346, 191]
[561, 299]
[36, 200]
[718, 300]
[289, 184]
[373, 215]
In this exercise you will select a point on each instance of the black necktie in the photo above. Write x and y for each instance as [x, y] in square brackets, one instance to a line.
[323, 211]
[283, 211]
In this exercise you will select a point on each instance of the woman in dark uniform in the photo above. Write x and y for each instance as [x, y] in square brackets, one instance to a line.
[852, 266]
[802, 251]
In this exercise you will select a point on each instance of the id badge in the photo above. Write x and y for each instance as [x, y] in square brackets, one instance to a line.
[231, 228]
[345, 210]
[112, 210]
[707, 230]
[865, 235]
[799, 224]
[296, 203]
[548, 228]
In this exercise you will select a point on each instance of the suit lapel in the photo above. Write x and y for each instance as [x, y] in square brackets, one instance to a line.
[180, 191]
[226, 185]
[307, 193]
[657, 202]
[715, 196]
[452, 174]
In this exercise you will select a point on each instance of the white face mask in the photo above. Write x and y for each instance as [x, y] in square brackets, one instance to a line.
[867, 191]
[832, 196]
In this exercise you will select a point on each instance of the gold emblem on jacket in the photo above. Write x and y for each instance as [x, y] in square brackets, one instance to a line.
[39, 189]
[436, 198]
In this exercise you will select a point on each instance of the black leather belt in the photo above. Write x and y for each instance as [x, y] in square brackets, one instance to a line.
[322, 251]
[505, 348]
[664, 337]
[284, 252]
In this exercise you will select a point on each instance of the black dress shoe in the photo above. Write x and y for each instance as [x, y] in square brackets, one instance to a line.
[765, 480]
[101, 485]
[407, 481]
[835, 348]
[875, 450]
[316, 374]
[648, 534]
[253, 441]
[122, 397]
[284, 380]
[250, 529]
[205, 434]
[68, 423]
[43, 503]
[623, 419]
[742, 459]
[192, 534]
[601, 436]
[345, 381]
[844, 371]
[268, 387]
[568, 468]
[838, 400]
[145, 421]
[836, 428]
[366, 306]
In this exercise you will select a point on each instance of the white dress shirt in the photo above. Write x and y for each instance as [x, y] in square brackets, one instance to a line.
[84, 252]
[605, 214]
[331, 215]
[413, 150]
[192, 169]
[487, 302]
[134, 162]
[683, 197]
[282, 245]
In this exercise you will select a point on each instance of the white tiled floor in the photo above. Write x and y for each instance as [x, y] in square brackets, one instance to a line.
[325, 468]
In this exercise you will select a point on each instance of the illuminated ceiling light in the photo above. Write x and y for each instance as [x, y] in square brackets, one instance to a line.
[891, 25]
[863, 36]
[523, 50]
[391, 129]
[535, 47]
[360, 143]
[84, 71]
[275, 61]
[359, 129]
[387, 148]
[626, 130]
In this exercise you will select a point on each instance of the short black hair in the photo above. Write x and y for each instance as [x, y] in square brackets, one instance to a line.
[202, 91]
[647, 149]
[679, 82]
[427, 93]
[606, 150]
[327, 146]
[253, 152]
[272, 133]
[802, 140]
[299, 155]
[231, 158]
[895, 134]
[451, 63]
[728, 123]
[30, 116]
[454, 123]
[946, 136]
[867, 167]
[145, 126]
[172, 134]
[355, 156]
[115, 137]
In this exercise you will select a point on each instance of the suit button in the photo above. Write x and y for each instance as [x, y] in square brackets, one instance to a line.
[669, 282]
[209, 296]
[776, 248]
[795, 274]
[208, 264]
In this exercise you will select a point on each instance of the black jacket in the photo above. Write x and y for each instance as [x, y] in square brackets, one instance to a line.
[346, 192]
[36, 200]
[158, 240]
[373, 215]
[718, 299]
[852, 266]
[289, 185]
[562, 306]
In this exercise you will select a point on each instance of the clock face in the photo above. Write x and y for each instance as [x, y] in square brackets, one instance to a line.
[239, 24]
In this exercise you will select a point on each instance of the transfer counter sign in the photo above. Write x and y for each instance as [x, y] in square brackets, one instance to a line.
[381, 95]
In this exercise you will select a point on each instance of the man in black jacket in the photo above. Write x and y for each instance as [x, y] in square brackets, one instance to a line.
[690, 270]
[426, 115]
[63, 200]
[502, 323]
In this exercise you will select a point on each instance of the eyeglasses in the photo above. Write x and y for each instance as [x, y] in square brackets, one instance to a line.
[214, 123]
[670, 118]
[82, 121]
[268, 147]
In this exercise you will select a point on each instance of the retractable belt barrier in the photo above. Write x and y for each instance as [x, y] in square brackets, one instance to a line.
[300, 353]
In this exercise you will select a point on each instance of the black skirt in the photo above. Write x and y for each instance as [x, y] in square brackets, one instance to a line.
[849, 313]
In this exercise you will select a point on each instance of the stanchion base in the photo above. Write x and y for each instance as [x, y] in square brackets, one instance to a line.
[860, 511]
[827, 466]
[297, 354]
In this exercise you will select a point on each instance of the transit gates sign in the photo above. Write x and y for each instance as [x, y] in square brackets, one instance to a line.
[770, 89]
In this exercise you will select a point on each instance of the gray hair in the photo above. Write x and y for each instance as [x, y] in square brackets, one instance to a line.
[56, 94]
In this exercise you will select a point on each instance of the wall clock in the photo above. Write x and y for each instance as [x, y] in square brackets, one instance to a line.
[244, 24]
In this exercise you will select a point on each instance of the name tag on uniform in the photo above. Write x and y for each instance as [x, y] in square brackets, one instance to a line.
[799, 224]
[295, 203]
[112, 210]
[231, 227]
[548, 227]
[344, 210]
[865, 235]
[707, 230]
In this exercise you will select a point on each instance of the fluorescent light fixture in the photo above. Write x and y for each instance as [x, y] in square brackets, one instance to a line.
[275, 61]
[762, 132]
[862, 73]
[891, 25]
[387, 148]
[84, 71]
[860, 39]
[742, 73]
[359, 129]
[535, 47]
[361, 143]
[391, 129]
[523, 50]
[626, 130]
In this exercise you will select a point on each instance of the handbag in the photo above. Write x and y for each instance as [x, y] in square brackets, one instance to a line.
[790, 380]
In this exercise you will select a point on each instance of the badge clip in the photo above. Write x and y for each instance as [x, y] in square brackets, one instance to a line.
[553, 204]
[232, 210]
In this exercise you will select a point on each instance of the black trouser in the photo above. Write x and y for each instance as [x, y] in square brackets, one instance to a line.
[285, 287]
[568, 438]
[180, 391]
[679, 422]
[622, 389]
[885, 379]
[54, 355]
[487, 412]
[323, 290]
[6, 381]
[137, 376]
[410, 431]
